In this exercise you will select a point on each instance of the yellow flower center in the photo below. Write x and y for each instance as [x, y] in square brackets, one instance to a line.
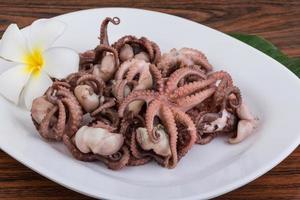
[34, 62]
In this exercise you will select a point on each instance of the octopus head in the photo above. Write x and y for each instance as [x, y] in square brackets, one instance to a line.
[106, 69]
[246, 124]
[98, 141]
[142, 56]
[40, 108]
[162, 147]
[87, 98]
[126, 53]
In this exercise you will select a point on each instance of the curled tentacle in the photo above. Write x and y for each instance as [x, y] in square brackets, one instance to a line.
[130, 47]
[179, 74]
[185, 57]
[103, 29]
[68, 118]
[224, 81]
[100, 54]
[108, 104]
[87, 59]
[90, 157]
[145, 95]
[120, 162]
[72, 78]
[233, 97]
[122, 88]
[108, 116]
[93, 81]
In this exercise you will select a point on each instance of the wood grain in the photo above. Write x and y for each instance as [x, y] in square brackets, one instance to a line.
[277, 21]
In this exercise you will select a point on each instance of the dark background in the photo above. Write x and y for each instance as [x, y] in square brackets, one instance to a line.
[277, 21]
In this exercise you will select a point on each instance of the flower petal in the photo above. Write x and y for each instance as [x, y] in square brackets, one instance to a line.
[13, 44]
[5, 65]
[36, 87]
[44, 32]
[60, 62]
[12, 82]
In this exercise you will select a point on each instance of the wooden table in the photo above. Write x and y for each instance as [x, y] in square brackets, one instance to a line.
[278, 21]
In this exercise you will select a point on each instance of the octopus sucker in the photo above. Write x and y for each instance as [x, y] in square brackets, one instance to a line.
[130, 104]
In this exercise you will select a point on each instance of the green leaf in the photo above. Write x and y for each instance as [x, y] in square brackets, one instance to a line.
[268, 48]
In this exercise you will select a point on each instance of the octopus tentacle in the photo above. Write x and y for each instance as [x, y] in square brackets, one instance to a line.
[122, 88]
[61, 84]
[180, 74]
[86, 60]
[205, 140]
[72, 78]
[123, 40]
[135, 70]
[57, 131]
[100, 124]
[75, 116]
[190, 88]
[185, 57]
[186, 103]
[73, 108]
[134, 147]
[151, 113]
[186, 121]
[148, 45]
[237, 101]
[101, 49]
[146, 95]
[157, 78]
[157, 53]
[98, 81]
[44, 126]
[142, 43]
[225, 81]
[114, 164]
[109, 116]
[167, 117]
[138, 161]
[62, 97]
[123, 69]
[60, 126]
[110, 103]
[120, 162]
[198, 57]
[136, 152]
[103, 29]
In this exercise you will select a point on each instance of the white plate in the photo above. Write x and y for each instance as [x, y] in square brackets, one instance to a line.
[207, 171]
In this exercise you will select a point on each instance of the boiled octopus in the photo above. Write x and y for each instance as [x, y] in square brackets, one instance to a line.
[128, 104]
[130, 47]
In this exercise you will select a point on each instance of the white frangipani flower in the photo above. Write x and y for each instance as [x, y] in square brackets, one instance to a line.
[35, 61]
